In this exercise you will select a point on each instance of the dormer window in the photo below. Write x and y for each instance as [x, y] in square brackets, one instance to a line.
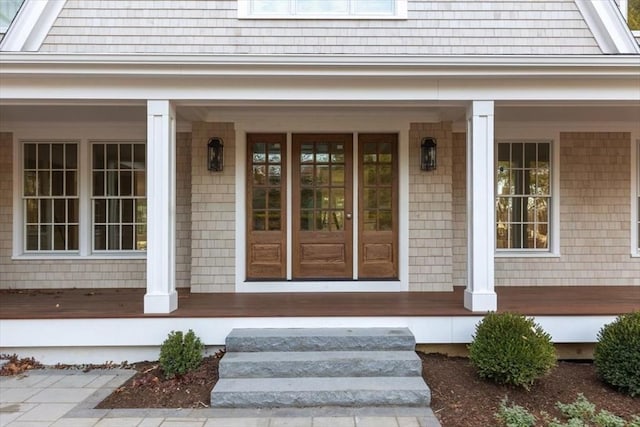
[8, 11]
[322, 9]
[631, 11]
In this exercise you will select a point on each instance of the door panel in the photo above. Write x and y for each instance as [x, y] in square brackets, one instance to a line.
[266, 206]
[378, 206]
[322, 206]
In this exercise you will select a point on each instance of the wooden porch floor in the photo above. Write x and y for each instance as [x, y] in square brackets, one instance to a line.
[128, 303]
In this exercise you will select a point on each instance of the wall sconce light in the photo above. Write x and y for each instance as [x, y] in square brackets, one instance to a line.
[428, 154]
[215, 157]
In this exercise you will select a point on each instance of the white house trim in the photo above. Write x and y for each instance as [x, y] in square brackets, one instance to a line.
[635, 192]
[161, 296]
[608, 25]
[480, 293]
[31, 25]
[78, 341]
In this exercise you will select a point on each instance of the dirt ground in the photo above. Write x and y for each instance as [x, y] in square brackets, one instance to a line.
[459, 397]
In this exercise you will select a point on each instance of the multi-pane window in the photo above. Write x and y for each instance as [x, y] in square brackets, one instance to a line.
[320, 8]
[523, 195]
[119, 204]
[322, 186]
[377, 186]
[50, 196]
[266, 197]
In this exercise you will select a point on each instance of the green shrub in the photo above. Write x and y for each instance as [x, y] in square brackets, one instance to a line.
[515, 416]
[635, 421]
[510, 348]
[617, 353]
[180, 353]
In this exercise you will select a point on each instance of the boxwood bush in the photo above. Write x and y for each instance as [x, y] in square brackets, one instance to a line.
[180, 353]
[509, 348]
[617, 353]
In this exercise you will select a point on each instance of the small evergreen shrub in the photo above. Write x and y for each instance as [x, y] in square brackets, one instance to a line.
[180, 353]
[509, 348]
[617, 353]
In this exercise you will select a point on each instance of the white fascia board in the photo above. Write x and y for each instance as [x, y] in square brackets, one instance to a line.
[285, 65]
[608, 26]
[31, 26]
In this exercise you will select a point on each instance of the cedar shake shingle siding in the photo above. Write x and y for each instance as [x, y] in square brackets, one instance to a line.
[433, 27]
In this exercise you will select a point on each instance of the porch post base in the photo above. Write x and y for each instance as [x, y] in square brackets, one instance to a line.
[165, 303]
[480, 301]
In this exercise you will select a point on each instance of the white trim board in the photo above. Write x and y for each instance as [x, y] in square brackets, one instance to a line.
[85, 340]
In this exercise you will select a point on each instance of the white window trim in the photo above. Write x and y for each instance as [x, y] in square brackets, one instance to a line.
[244, 12]
[554, 220]
[85, 225]
[635, 194]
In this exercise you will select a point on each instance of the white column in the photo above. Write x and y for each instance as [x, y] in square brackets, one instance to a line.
[161, 296]
[480, 293]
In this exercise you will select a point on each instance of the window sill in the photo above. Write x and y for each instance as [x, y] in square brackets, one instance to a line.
[523, 254]
[78, 257]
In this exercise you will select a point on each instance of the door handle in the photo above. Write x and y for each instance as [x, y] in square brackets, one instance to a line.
[348, 216]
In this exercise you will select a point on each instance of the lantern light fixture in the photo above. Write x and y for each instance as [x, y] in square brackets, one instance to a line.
[428, 150]
[215, 154]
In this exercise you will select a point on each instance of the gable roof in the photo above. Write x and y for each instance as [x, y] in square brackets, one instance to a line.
[433, 27]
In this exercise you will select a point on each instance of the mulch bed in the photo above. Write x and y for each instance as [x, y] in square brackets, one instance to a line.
[459, 397]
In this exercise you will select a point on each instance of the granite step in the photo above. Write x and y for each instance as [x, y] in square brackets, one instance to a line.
[320, 364]
[320, 339]
[320, 392]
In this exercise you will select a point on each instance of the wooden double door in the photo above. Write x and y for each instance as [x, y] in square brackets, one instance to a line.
[322, 219]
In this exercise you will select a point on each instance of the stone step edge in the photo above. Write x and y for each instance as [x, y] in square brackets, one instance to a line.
[320, 364]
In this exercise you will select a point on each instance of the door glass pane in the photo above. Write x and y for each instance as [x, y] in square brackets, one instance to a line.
[306, 198]
[370, 220]
[306, 153]
[259, 198]
[385, 175]
[322, 198]
[306, 220]
[337, 175]
[306, 175]
[370, 175]
[274, 153]
[384, 198]
[274, 220]
[385, 221]
[370, 198]
[337, 198]
[337, 222]
[323, 219]
[386, 154]
[259, 175]
[322, 153]
[274, 198]
[322, 174]
[259, 153]
[275, 173]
